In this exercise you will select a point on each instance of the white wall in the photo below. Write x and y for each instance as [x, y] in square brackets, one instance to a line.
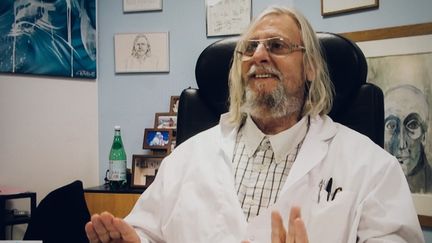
[48, 130]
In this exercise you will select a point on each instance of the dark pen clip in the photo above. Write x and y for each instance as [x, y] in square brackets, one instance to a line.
[336, 191]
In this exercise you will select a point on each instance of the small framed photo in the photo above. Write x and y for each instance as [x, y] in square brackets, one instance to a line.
[155, 138]
[141, 52]
[331, 7]
[165, 120]
[144, 169]
[227, 17]
[174, 103]
[141, 5]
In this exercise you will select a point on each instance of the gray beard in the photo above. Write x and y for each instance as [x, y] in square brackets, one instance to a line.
[278, 103]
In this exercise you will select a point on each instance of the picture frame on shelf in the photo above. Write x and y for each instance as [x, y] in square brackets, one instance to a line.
[141, 5]
[141, 52]
[165, 120]
[144, 169]
[174, 103]
[155, 138]
[332, 7]
[224, 18]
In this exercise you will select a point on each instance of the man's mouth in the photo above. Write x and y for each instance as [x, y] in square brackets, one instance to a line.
[402, 159]
[264, 75]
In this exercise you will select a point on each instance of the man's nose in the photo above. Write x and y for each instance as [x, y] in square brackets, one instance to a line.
[261, 54]
[403, 143]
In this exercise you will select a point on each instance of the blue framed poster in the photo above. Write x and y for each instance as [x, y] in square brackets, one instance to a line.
[56, 38]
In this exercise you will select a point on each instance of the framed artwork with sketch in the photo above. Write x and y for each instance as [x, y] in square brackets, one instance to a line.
[403, 73]
[225, 18]
[141, 52]
[141, 5]
[331, 7]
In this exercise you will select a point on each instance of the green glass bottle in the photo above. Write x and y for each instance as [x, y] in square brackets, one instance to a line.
[117, 162]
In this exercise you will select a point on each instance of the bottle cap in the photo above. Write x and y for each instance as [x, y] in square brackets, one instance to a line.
[117, 127]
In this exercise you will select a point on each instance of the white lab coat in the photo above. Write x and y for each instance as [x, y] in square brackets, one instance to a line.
[193, 198]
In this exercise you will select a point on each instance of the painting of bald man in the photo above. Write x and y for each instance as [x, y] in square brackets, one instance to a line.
[406, 83]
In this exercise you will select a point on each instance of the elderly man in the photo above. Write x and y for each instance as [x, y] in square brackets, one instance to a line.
[276, 168]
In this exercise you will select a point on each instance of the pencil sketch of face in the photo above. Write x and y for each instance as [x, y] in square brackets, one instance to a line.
[141, 47]
[406, 118]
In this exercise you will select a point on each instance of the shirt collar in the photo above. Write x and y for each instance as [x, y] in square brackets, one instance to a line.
[282, 143]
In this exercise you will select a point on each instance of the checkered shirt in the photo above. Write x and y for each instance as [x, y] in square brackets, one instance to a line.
[260, 177]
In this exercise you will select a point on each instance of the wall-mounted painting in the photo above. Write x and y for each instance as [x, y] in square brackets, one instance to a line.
[56, 38]
[225, 18]
[141, 52]
[330, 7]
[141, 5]
[399, 61]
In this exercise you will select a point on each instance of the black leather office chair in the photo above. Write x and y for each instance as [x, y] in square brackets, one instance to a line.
[357, 104]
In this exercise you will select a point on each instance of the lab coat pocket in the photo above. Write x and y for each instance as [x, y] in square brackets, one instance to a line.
[330, 221]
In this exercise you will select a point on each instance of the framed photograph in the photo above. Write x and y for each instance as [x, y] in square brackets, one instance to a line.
[165, 120]
[141, 5]
[141, 52]
[174, 102]
[402, 71]
[157, 138]
[225, 18]
[144, 169]
[331, 7]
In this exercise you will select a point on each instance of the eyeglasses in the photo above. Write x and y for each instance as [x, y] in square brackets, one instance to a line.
[274, 45]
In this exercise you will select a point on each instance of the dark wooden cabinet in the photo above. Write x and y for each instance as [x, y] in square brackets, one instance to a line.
[7, 218]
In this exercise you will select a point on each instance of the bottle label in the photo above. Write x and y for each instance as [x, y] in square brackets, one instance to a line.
[117, 170]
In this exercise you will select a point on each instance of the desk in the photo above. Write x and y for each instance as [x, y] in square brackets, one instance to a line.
[119, 202]
[10, 219]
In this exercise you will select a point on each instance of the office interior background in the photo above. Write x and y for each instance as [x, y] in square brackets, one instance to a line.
[56, 130]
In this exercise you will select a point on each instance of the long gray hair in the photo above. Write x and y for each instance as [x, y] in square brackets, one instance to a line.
[319, 96]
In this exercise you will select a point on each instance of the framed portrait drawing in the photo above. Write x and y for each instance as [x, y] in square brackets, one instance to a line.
[144, 169]
[331, 7]
[141, 5]
[225, 18]
[174, 102]
[402, 71]
[165, 120]
[157, 138]
[141, 52]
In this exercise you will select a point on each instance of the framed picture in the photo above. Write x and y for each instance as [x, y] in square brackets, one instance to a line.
[144, 169]
[141, 52]
[225, 18]
[402, 71]
[174, 102]
[141, 5]
[330, 7]
[54, 38]
[157, 138]
[165, 120]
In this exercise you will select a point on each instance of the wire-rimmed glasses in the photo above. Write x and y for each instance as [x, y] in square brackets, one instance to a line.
[277, 46]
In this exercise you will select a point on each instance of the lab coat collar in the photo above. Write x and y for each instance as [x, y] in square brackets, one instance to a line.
[281, 143]
[314, 149]
[229, 133]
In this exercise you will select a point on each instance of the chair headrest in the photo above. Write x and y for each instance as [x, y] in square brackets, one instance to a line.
[346, 63]
[211, 73]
